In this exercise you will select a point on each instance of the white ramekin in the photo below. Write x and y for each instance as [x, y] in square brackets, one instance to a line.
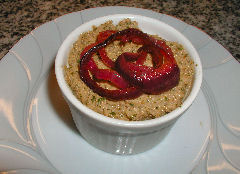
[118, 136]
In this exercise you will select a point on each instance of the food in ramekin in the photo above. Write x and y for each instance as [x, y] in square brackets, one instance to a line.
[144, 102]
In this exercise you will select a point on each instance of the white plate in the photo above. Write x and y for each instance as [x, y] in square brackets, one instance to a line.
[37, 134]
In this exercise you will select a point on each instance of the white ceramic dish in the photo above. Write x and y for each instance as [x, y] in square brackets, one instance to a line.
[37, 134]
[118, 136]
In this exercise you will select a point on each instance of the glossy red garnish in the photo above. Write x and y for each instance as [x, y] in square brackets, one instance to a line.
[102, 52]
[111, 76]
[128, 73]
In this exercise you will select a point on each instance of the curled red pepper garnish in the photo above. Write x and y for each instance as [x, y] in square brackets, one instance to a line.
[128, 73]
[102, 52]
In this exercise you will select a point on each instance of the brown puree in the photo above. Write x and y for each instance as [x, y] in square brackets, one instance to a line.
[142, 108]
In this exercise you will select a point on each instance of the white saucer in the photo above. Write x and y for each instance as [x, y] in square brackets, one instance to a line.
[37, 134]
[70, 153]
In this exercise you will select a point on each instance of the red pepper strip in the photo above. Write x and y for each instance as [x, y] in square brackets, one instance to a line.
[156, 53]
[152, 80]
[105, 59]
[102, 52]
[121, 94]
[142, 57]
[124, 38]
[161, 77]
[86, 49]
[111, 76]
[104, 74]
[136, 36]
[131, 38]
[92, 66]
[102, 36]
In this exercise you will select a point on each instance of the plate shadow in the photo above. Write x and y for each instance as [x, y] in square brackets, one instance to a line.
[58, 102]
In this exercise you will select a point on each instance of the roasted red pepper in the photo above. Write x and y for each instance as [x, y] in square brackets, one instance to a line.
[102, 52]
[128, 72]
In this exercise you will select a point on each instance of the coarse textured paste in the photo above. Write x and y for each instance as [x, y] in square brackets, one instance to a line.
[142, 108]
